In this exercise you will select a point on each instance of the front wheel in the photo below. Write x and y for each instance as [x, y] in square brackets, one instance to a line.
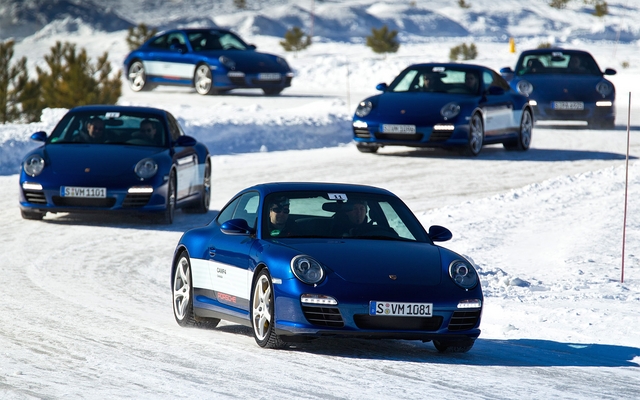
[523, 141]
[203, 80]
[272, 91]
[461, 346]
[33, 215]
[476, 136]
[367, 148]
[170, 208]
[262, 312]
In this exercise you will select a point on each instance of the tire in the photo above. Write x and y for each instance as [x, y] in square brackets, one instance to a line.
[263, 312]
[367, 148]
[461, 346]
[32, 215]
[523, 140]
[476, 136]
[602, 124]
[183, 296]
[272, 92]
[170, 209]
[203, 80]
[202, 206]
[137, 77]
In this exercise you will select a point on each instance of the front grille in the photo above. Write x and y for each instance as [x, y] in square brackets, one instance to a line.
[260, 82]
[35, 196]
[237, 80]
[323, 316]
[82, 202]
[415, 137]
[464, 320]
[440, 136]
[566, 113]
[365, 321]
[136, 200]
[362, 133]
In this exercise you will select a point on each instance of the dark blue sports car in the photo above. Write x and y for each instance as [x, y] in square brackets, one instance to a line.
[114, 158]
[211, 60]
[460, 106]
[297, 261]
[564, 85]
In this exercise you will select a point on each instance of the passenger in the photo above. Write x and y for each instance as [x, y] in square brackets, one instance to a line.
[356, 222]
[471, 82]
[149, 132]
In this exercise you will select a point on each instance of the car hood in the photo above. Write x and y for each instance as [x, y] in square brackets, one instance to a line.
[417, 105]
[100, 159]
[565, 87]
[250, 61]
[376, 261]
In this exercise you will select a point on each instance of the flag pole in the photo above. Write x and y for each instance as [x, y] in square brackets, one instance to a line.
[626, 188]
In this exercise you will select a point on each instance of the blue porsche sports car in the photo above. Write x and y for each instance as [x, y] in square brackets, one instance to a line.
[114, 158]
[211, 60]
[460, 106]
[297, 261]
[564, 85]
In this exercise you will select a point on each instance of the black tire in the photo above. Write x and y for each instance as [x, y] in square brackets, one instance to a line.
[137, 77]
[601, 124]
[262, 310]
[461, 346]
[203, 80]
[523, 141]
[367, 148]
[183, 296]
[476, 136]
[32, 215]
[170, 208]
[272, 91]
[205, 198]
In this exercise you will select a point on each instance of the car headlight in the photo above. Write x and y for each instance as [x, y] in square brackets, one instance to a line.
[364, 108]
[146, 168]
[282, 62]
[525, 87]
[307, 270]
[463, 274]
[33, 165]
[450, 110]
[227, 62]
[604, 88]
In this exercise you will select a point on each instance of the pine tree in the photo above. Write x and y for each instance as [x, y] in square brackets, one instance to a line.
[12, 81]
[463, 51]
[383, 41]
[295, 40]
[138, 35]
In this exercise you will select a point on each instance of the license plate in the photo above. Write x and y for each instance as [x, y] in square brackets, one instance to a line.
[568, 105]
[391, 128]
[269, 76]
[392, 309]
[87, 192]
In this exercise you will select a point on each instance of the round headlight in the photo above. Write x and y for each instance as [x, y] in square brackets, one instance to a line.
[307, 269]
[450, 110]
[364, 108]
[33, 165]
[146, 168]
[525, 88]
[604, 88]
[227, 62]
[463, 274]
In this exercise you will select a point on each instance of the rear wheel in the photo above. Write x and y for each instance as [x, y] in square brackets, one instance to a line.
[461, 346]
[263, 312]
[476, 136]
[523, 141]
[203, 80]
[183, 296]
[34, 215]
[205, 195]
[137, 77]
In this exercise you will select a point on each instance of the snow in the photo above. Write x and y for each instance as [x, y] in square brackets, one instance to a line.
[86, 301]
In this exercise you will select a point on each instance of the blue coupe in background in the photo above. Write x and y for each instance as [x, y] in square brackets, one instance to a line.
[114, 158]
[564, 85]
[210, 60]
[461, 106]
[296, 261]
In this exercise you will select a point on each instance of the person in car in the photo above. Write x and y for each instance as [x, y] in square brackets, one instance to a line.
[278, 224]
[94, 132]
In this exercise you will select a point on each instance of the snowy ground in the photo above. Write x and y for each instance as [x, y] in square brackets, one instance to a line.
[86, 310]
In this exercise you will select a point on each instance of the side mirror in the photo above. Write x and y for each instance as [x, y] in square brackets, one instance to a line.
[439, 233]
[381, 86]
[40, 136]
[610, 71]
[186, 141]
[236, 227]
[252, 47]
[506, 70]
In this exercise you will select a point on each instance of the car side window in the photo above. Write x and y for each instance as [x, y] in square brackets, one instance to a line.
[174, 128]
[500, 82]
[243, 207]
[160, 43]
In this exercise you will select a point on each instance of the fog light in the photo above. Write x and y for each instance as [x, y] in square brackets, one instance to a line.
[603, 104]
[533, 103]
[140, 190]
[443, 127]
[318, 299]
[31, 186]
[471, 303]
[360, 124]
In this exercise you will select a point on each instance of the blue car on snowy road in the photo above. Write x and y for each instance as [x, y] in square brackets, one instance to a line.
[210, 60]
[297, 261]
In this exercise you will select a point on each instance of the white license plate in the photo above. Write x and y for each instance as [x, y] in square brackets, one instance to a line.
[87, 192]
[391, 128]
[269, 76]
[568, 105]
[400, 309]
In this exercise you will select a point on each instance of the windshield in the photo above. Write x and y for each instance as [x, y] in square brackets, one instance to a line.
[339, 215]
[137, 129]
[438, 79]
[557, 62]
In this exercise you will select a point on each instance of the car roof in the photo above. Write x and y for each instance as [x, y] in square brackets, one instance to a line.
[189, 30]
[449, 65]
[100, 108]
[275, 187]
[552, 49]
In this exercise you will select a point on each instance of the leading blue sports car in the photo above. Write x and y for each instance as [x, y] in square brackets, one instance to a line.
[564, 85]
[115, 158]
[296, 261]
[210, 60]
[460, 106]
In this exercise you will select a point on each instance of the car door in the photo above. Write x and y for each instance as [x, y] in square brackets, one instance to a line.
[229, 258]
[185, 160]
[497, 105]
[170, 58]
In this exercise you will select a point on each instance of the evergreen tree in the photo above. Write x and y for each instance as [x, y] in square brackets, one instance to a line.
[242, 4]
[463, 51]
[12, 82]
[138, 35]
[383, 41]
[295, 40]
